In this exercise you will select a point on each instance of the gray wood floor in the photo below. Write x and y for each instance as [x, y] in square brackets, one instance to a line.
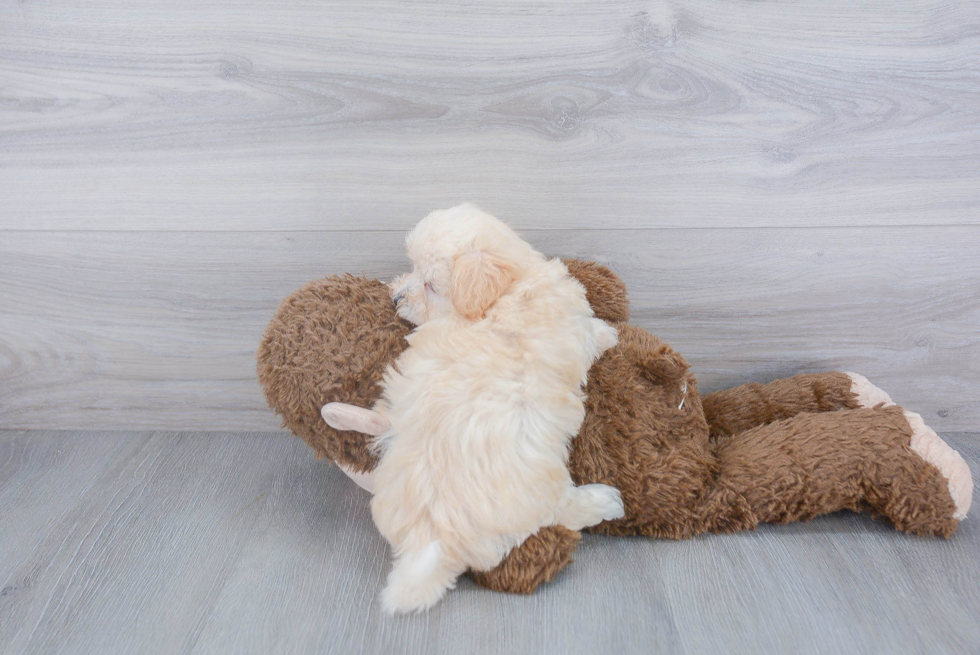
[165, 542]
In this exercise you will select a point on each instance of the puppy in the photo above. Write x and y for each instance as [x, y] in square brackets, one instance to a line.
[483, 405]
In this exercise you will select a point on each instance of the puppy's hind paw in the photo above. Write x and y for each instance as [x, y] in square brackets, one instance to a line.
[400, 598]
[417, 582]
[590, 504]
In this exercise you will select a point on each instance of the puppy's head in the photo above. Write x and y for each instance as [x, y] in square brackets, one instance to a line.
[464, 259]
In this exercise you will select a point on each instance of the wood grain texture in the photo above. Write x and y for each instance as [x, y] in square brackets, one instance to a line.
[243, 543]
[159, 330]
[294, 115]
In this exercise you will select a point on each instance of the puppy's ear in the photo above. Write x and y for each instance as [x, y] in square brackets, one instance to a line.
[479, 278]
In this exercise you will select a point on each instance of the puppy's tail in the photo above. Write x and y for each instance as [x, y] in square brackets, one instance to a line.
[418, 580]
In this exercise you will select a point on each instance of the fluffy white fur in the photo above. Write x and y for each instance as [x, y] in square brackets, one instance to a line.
[483, 405]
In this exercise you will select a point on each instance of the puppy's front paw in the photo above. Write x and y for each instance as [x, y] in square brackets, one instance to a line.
[606, 335]
[590, 504]
[405, 292]
[608, 502]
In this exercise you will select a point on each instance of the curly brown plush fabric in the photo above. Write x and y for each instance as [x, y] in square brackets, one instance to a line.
[538, 560]
[785, 451]
[604, 290]
[799, 468]
[330, 341]
[747, 406]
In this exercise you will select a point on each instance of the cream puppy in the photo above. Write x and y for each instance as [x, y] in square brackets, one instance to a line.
[482, 405]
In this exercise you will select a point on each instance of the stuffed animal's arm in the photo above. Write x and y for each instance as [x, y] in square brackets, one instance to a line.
[341, 416]
[751, 405]
[537, 560]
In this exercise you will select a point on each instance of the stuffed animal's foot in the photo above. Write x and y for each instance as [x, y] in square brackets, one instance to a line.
[927, 445]
[589, 504]
[418, 581]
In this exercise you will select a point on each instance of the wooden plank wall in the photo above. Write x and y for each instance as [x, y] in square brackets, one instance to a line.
[785, 187]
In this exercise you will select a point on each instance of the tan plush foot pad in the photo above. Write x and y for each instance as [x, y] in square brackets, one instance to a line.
[868, 394]
[925, 443]
[937, 452]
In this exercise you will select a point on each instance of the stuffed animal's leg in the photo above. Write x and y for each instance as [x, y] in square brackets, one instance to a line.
[885, 460]
[750, 405]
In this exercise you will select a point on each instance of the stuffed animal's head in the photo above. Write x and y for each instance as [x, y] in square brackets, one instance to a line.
[331, 340]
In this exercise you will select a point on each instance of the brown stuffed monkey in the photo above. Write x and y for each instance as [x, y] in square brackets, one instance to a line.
[685, 464]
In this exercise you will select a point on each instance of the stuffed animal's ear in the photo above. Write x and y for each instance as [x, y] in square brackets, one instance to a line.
[479, 278]
[603, 288]
[341, 416]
